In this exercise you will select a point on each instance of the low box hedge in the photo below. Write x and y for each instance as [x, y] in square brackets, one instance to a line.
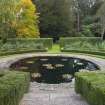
[100, 53]
[73, 40]
[20, 51]
[91, 85]
[82, 44]
[13, 85]
[47, 42]
[16, 45]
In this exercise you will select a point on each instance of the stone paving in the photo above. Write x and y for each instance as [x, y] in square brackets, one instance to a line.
[52, 94]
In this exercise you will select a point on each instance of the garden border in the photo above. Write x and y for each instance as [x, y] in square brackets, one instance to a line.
[6, 61]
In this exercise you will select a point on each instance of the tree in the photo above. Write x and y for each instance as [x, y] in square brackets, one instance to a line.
[27, 20]
[7, 16]
[18, 18]
[56, 17]
[101, 15]
[85, 15]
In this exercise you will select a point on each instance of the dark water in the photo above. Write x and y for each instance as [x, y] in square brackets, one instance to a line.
[53, 69]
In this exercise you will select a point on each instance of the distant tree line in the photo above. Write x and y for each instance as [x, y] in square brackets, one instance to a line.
[51, 18]
[71, 17]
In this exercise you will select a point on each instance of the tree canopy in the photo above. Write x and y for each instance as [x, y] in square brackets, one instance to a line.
[69, 17]
[56, 17]
[18, 18]
[51, 18]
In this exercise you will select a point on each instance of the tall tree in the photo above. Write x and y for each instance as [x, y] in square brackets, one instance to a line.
[85, 12]
[56, 17]
[7, 16]
[101, 15]
[27, 20]
[18, 18]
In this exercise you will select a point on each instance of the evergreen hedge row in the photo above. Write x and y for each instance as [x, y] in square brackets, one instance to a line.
[91, 85]
[71, 40]
[4, 53]
[82, 43]
[100, 53]
[23, 45]
[46, 42]
[13, 85]
[88, 45]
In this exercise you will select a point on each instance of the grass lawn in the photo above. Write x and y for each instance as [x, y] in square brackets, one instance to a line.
[55, 49]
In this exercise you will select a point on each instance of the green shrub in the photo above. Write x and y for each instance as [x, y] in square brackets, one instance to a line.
[47, 42]
[91, 85]
[86, 30]
[72, 40]
[82, 43]
[4, 53]
[100, 53]
[22, 45]
[13, 85]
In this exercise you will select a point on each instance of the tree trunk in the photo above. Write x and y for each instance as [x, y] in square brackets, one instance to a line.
[102, 33]
[78, 22]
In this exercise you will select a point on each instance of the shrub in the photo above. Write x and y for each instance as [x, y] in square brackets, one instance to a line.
[47, 42]
[100, 53]
[4, 53]
[13, 85]
[82, 43]
[22, 45]
[91, 85]
[86, 31]
[72, 40]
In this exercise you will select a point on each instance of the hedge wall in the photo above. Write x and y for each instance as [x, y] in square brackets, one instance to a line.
[100, 53]
[4, 53]
[91, 85]
[46, 42]
[82, 43]
[13, 85]
[23, 45]
[72, 40]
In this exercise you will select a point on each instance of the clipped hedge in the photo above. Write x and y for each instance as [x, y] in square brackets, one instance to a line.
[23, 45]
[71, 40]
[13, 85]
[91, 85]
[82, 43]
[45, 42]
[4, 53]
[101, 53]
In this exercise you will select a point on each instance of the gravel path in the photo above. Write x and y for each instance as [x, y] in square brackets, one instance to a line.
[52, 94]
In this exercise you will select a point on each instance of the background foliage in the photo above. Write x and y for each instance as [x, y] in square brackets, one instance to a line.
[56, 17]
[27, 20]
[71, 17]
[18, 18]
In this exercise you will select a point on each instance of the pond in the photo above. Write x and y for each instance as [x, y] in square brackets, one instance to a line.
[53, 70]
